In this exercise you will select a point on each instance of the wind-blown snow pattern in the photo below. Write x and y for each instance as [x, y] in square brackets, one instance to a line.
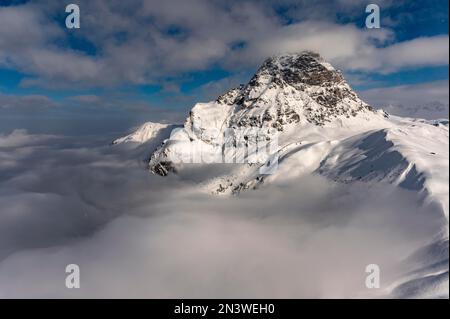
[322, 127]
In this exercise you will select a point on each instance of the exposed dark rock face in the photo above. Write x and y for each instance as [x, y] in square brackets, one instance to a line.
[231, 96]
[300, 69]
[162, 168]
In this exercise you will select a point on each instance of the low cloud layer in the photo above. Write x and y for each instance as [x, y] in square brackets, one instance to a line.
[133, 234]
[428, 100]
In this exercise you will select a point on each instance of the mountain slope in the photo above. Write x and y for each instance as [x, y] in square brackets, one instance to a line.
[309, 121]
[312, 122]
[144, 133]
[287, 92]
[410, 155]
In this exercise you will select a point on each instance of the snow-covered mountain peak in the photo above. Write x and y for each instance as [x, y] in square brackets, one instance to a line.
[293, 88]
[300, 113]
[286, 95]
[307, 68]
[297, 117]
[144, 133]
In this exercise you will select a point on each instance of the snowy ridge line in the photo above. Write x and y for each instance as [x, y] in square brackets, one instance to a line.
[142, 134]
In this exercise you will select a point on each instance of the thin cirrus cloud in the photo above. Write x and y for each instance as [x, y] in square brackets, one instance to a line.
[142, 42]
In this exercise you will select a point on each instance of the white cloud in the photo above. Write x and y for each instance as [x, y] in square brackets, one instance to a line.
[21, 138]
[429, 100]
[336, 43]
[133, 44]
[419, 52]
[24, 26]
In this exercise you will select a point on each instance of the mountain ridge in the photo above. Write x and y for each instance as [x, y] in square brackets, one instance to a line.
[321, 127]
[287, 91]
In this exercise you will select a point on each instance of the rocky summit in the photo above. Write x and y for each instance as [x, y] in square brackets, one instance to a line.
[293, 88]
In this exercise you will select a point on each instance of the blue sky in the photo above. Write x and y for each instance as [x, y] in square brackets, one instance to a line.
[140, 60]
